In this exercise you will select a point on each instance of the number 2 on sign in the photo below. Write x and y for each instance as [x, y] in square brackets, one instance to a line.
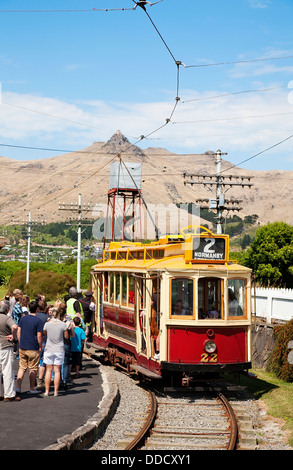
[209, 358]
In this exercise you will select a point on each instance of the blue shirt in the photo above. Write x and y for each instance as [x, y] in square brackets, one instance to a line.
[17, 312]
[30, 326]
[43, 317]
[76, 341]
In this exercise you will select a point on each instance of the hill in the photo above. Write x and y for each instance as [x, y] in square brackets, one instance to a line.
[39, 185]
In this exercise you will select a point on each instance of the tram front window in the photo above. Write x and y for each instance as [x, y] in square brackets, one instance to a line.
[210, 298]
[236, 297]
[182, 296]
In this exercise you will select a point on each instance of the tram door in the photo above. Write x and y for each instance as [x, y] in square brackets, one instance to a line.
[155, 316]
[140, 306]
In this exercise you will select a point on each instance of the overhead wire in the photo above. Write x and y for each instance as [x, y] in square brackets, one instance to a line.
[260, 90]
[259, 153]
[235, 118]
[264, 59]
[177, 99]
[90, 10]
[51, 115]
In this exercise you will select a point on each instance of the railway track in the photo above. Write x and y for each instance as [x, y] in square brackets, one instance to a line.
[186, 422]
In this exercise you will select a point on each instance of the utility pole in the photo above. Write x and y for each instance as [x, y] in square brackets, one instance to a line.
[78, 209]
[28, 247]
[223, 183]
[29, 237]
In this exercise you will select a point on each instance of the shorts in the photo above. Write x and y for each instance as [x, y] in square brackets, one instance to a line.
[29, 359]
[55, 359]
[76, 358]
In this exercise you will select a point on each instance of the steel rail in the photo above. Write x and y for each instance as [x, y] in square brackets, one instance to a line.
[233, 422]
[139, 439]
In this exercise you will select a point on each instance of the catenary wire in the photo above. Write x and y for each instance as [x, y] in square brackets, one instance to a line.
[232, 118]
[89, 10]
[264, 59]
[261, 90]
[259, 153]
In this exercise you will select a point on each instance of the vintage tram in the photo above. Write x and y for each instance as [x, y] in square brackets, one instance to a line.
[176, 307]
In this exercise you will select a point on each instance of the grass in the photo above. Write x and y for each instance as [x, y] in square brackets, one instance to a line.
[277, 395]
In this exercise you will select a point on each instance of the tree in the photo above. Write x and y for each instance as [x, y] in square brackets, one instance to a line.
[246, 240]
[271, 255]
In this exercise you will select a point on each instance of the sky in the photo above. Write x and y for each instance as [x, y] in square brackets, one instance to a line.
[189, 76]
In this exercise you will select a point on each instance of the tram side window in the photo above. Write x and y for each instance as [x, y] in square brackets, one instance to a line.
[209, 298]
[111, 287]
[236, 297]
[124, 289]
[118, 294]
[131, 291]
[182, 296]
[106, 287]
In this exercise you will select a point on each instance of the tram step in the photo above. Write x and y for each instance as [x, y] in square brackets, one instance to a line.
[144, 371]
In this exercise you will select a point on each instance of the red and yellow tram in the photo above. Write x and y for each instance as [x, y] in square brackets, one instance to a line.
[175, 307]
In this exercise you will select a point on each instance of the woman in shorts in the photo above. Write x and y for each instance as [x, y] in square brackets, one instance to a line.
[56, 331]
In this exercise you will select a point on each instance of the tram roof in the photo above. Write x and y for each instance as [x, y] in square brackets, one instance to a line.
[172, 263]
[172, 253]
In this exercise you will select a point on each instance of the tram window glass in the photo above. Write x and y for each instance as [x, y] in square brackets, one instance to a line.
[182, 296]
[209, 298]
[111, 287]
[236, 297]
[140, 254]
[158, 254]
[113, 255]
[117, 292]
[106, 287]
[131, 291]
[124, 288]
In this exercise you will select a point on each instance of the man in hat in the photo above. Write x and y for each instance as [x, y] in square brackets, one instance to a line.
[73, 305]
[8, 329]
[88, 307]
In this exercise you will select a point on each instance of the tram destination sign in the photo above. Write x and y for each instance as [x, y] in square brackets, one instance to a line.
[208, 249]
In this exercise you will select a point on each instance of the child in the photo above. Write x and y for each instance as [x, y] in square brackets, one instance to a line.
[76, 345]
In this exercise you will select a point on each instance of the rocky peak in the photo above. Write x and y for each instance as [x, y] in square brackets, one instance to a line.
[119, 143]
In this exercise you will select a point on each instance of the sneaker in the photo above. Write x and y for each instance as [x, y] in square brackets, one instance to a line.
[33, 392]
[157, 356]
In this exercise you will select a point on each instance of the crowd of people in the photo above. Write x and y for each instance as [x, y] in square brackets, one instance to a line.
[47, 339]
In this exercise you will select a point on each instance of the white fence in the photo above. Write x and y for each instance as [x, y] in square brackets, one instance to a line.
[273, 304]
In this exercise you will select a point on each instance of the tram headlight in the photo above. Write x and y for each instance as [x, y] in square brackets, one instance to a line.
[210, 346]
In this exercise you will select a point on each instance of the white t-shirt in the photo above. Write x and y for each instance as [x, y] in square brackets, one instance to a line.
[55, 335]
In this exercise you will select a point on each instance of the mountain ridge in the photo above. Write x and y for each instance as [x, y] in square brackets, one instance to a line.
[39, 185]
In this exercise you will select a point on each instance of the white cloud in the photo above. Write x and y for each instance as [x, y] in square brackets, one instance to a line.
[260, 3]
[196, 126]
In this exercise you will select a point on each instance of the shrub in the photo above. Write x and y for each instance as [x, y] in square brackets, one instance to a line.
[278, 363]
[48, 283]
